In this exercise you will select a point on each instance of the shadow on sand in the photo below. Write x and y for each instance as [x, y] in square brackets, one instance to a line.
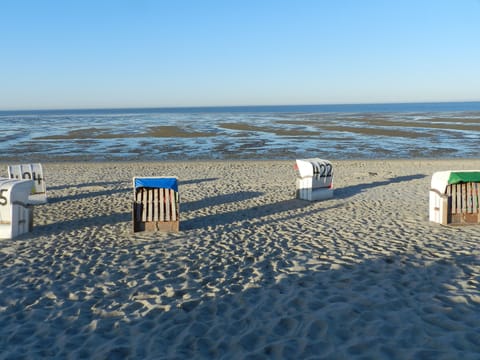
[392, 307]
[253, 213]
[348, 191]
[258, 212]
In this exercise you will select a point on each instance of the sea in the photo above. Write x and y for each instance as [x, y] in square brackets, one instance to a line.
[336, 132]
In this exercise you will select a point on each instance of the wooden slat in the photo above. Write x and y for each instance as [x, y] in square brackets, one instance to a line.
[469, 198]
[138, 209]
[173, 205]
[478, 196]
[167, 206]
[475, 194]
[144, 203]
[444, 205]
[162, 204]
[464, 198]
[150, 204]
[458, 191]
[155, 204]
[459, 198]
[474, 197]
[454, 199]
[140, 201]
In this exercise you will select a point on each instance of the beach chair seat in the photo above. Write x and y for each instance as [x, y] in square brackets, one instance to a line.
[16, 216]
[314, 180]
[454, 197]
[156, 204]
[33, 172]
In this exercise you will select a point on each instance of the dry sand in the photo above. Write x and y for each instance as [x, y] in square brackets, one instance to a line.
[253, 273]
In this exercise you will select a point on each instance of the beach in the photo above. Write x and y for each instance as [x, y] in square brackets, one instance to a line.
[253, 272]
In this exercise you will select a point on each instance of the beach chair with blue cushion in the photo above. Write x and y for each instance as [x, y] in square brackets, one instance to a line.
[33, 172]
[156, 204]
[16, 216]
[454, 197]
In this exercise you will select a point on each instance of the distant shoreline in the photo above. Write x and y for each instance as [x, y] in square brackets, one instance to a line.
[352, 107]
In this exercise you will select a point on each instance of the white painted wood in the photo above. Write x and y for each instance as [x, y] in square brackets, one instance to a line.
[33, 172]
[315, 181]
[437, 209]
[15, 213]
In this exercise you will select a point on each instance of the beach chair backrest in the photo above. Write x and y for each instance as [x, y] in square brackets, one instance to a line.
[314, 180]
[315, 167]
[33, 172]
[156, 204]
[16, 216]
[454, 197]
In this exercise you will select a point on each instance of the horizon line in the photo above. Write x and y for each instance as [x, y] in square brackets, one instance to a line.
[236, 106]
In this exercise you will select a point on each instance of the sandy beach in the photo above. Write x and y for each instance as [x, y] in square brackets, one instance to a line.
[253, 273]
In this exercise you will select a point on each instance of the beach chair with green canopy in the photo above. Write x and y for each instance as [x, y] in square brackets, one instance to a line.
[454, 197]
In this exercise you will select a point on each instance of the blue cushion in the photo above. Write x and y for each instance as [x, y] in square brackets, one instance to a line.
[158, 183]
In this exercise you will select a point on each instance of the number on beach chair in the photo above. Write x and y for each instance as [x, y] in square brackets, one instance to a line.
[315, 179]
[33, 172]
[16, 216]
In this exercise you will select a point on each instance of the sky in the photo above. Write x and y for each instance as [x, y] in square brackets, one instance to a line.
[73, 54]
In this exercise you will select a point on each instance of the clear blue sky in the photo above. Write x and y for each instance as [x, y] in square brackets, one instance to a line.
[147, 53]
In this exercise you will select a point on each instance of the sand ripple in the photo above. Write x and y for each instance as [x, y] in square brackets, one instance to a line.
[252, 274]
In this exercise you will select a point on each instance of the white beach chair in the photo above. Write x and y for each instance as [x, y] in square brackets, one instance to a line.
[315, 179]
[16, 216]
[454, 197]
[156, 204]
[33, 172]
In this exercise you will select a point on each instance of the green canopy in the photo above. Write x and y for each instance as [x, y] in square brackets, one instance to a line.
[457, 177]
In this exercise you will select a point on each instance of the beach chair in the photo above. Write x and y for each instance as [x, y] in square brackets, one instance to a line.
[454, 197]
[33, 172]
[16, 216]
[156, 204]
[314, 180]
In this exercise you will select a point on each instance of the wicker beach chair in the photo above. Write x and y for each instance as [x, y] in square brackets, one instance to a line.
[314, 180]
[156, 204]
[16, 216]
[454, 197]
[33, 172]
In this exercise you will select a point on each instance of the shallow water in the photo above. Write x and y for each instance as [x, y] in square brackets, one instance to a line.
[242, 133]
